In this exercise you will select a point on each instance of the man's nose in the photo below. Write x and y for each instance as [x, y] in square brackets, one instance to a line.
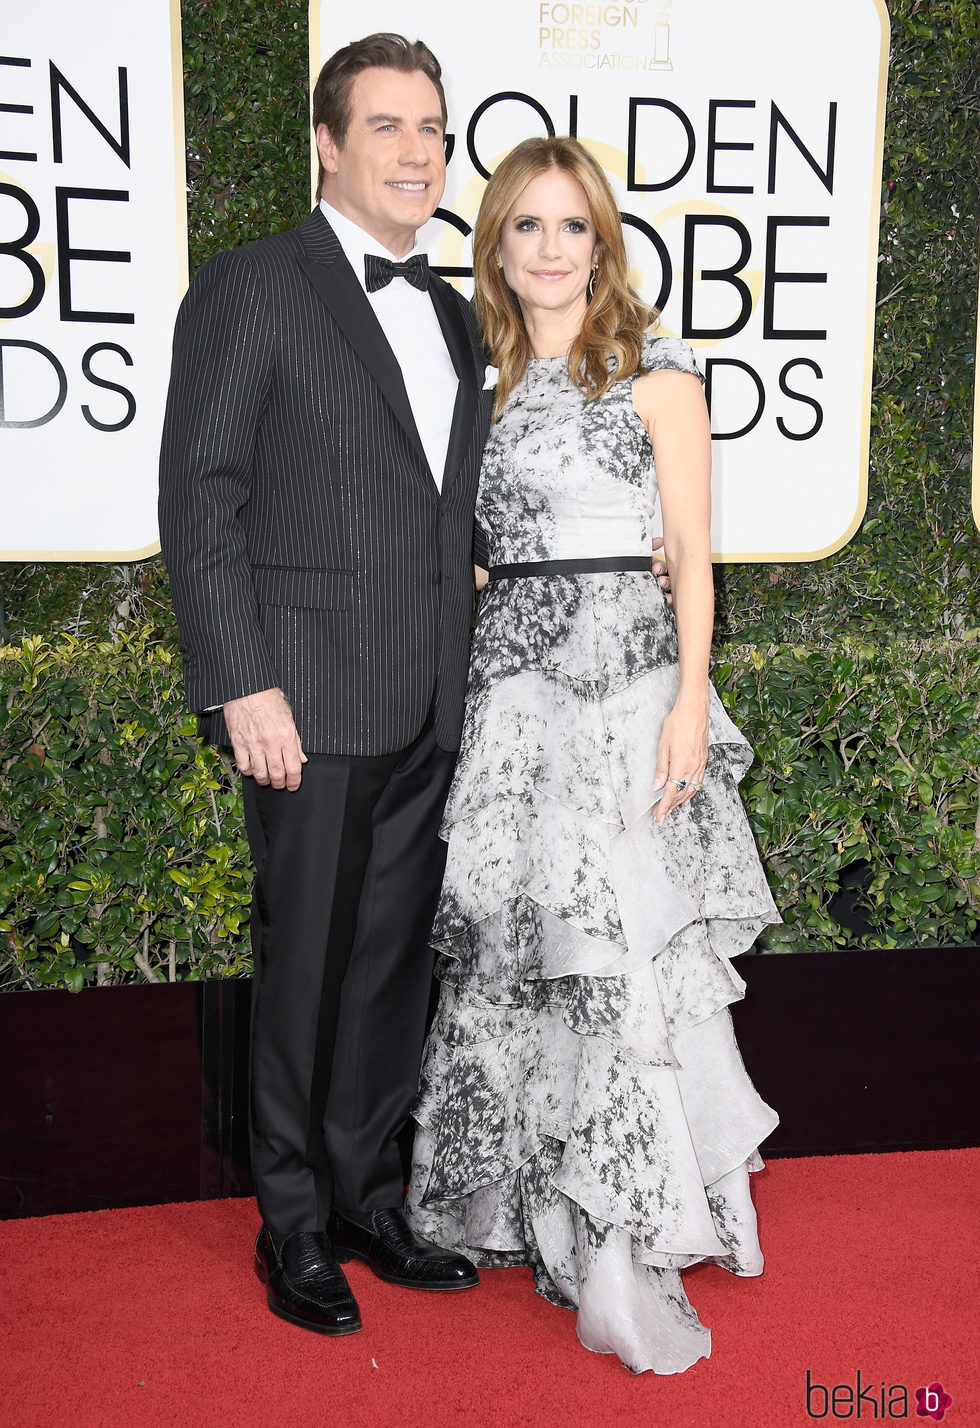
[413, 150]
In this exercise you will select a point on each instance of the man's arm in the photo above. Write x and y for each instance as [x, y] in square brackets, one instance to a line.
[218, 386]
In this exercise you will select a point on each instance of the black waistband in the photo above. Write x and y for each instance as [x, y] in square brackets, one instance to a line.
[606, 564]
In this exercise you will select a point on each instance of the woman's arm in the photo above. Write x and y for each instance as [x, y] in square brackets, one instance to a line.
[480, 576]
[672, 408]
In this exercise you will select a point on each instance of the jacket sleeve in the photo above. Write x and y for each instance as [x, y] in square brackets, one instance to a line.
[481, 547]
[481, 543]
[218, 386]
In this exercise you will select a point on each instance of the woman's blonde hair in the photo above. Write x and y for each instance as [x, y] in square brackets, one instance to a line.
[616, 317]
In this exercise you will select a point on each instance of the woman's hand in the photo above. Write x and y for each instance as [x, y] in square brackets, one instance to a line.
[682, 755]
[661, 570]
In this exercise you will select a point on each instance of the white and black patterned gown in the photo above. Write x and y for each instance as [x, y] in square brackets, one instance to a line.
[583, 1105]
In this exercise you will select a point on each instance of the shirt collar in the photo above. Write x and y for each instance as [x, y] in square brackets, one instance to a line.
[356, 242]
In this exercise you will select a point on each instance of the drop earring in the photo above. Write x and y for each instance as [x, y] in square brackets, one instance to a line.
[593, 278]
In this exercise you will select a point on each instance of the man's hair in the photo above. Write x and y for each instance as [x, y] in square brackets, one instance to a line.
[332, 94]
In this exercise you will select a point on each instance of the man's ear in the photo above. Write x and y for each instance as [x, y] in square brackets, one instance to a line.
[326, 148]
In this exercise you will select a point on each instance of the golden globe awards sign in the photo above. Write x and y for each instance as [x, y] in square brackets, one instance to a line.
[744, 147]
[92, 266]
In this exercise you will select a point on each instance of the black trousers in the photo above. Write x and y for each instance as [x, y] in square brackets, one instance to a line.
[347, 875]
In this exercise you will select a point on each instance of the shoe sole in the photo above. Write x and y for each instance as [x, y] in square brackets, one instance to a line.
[334, 1330]
[343, 1256]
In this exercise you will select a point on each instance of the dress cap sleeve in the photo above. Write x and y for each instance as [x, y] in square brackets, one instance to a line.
[670, 354]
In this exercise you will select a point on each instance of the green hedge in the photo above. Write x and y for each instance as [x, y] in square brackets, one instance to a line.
[866, 782]
[123, 854]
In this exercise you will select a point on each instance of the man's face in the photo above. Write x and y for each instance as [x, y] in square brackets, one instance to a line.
[389, 176]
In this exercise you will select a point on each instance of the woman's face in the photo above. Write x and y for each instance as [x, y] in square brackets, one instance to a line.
[548, 244]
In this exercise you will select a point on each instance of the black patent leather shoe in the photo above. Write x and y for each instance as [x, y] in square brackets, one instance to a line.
[304, 1283]
[396, 1255]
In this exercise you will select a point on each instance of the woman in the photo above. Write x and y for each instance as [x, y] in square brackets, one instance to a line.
[583, 1106]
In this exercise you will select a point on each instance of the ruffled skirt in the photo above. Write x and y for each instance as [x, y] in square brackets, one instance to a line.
[583, 1106]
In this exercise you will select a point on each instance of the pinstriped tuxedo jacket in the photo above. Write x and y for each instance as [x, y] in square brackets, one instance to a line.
[307, 544]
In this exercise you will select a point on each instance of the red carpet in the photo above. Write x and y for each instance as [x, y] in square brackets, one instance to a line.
[153, 1316]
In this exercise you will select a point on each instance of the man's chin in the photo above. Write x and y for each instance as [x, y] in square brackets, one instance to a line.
[413, 216]
[423, 202]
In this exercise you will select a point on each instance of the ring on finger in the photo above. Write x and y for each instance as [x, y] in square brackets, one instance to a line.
[679, 783]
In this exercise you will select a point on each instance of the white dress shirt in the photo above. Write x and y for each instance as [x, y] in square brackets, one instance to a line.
[409, 322]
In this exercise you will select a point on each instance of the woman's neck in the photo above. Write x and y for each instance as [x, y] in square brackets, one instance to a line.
[551, 334]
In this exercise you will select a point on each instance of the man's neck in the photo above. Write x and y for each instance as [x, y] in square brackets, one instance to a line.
[396, 245]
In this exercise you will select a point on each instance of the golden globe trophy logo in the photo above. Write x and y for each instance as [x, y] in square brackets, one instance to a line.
[744, 149]
[92, 266]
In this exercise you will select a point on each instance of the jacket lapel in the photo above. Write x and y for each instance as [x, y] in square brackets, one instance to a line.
[334, 280]
[457, 339]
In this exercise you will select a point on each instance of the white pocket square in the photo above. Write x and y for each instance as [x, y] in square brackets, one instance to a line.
[490, 380]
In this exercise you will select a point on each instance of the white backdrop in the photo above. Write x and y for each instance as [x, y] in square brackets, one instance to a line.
[763, 255]
[93, 262]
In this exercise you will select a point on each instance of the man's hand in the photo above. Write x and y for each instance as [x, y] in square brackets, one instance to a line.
[660, 570]
[264, 738]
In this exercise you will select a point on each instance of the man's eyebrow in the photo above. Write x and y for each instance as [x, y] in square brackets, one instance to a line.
[399, 119]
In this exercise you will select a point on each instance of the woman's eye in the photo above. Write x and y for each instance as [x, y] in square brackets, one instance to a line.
[576, 226]
[526, 225]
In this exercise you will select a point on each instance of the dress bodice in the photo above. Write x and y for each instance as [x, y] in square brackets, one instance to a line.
[567, 479]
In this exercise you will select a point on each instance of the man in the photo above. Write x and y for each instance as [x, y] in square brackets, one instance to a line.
[318, 479]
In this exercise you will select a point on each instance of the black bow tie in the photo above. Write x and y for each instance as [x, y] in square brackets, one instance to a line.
[378, 272]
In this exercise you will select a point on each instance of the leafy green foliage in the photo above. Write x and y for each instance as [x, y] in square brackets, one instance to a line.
[246, 97]
[122, 854]
[867, 778]
[121, 846]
